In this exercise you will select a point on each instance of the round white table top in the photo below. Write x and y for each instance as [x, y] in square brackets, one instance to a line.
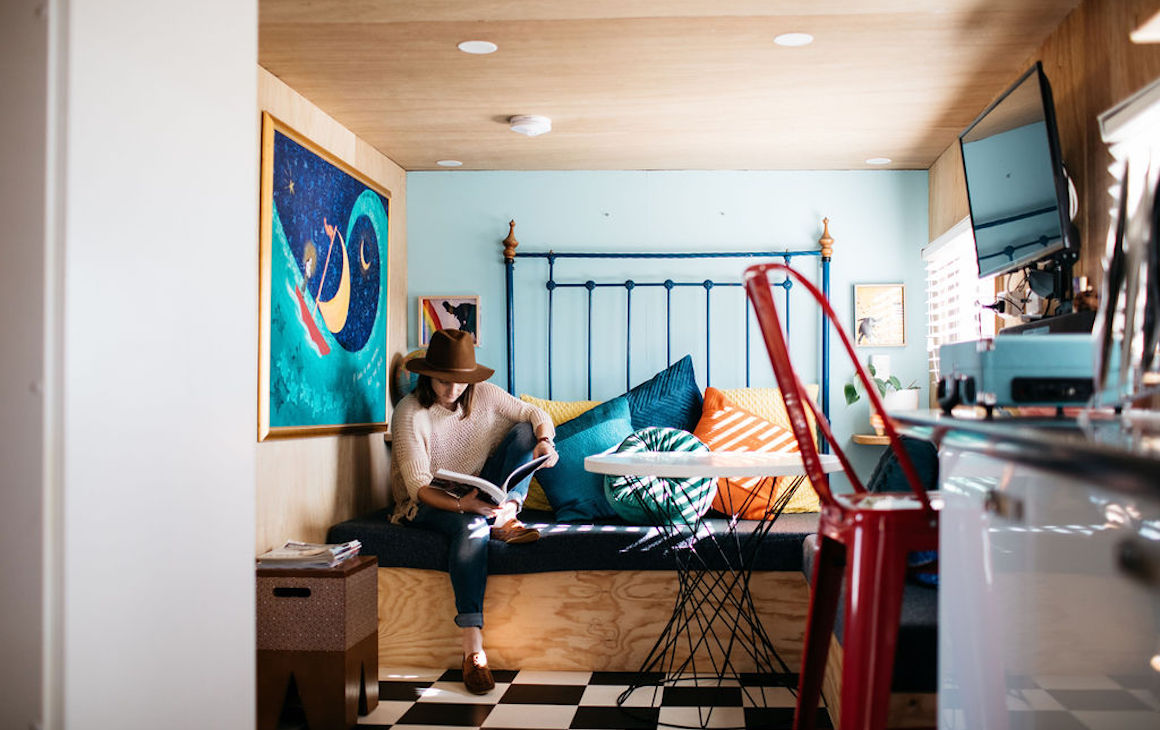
[686, 464]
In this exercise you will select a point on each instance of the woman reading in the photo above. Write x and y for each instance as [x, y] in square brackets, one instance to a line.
[456, 421]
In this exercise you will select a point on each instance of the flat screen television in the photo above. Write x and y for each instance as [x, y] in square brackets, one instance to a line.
[1016, 184]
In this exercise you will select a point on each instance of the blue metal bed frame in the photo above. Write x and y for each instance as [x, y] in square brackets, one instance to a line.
[824, 253]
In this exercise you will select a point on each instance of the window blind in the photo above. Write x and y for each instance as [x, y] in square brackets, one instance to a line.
[955, 294]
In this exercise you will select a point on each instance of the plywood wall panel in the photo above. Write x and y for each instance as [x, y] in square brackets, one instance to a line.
[596, 620]
[304, 485]
[1092, 65]
[1073, 68]
[948, 192]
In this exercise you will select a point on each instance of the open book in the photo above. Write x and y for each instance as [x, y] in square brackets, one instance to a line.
[459, 485]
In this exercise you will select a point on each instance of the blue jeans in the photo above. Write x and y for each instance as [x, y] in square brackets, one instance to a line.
[468, 533]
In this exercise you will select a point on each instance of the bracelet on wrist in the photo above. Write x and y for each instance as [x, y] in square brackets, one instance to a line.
[544, 438]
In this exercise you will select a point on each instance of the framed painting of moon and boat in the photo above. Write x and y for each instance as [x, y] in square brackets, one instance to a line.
[323, 291]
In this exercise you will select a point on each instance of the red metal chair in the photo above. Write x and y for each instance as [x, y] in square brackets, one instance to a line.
[865, 536]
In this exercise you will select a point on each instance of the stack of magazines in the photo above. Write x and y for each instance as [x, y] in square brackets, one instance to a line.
[296, 554]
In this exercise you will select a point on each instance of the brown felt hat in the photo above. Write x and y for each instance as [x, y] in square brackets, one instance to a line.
[451, 357]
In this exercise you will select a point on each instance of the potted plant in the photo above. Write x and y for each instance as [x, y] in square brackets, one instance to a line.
[894, 396]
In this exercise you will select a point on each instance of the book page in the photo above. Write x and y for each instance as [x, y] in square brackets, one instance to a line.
[522, 471]
[460, 485]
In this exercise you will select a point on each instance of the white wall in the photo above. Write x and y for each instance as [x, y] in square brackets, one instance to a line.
[23, 74]
[159, 352]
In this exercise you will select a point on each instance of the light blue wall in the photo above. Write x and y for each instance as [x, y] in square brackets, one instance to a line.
[456, 220]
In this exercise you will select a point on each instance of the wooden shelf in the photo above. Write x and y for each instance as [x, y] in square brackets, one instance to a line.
[871, 439]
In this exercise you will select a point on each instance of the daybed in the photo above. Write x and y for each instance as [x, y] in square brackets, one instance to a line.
[595, 597]
[584, 597]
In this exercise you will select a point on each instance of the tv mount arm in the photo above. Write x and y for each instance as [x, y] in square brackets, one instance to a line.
[1054, 280]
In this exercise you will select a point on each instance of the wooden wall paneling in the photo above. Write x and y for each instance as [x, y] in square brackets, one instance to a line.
[1092, 64]
[571, 620]
[1073, 68]
[948, 192]
[305, 485]
[911, 78]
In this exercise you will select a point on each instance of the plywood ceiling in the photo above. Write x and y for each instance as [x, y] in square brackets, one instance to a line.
[655, 84]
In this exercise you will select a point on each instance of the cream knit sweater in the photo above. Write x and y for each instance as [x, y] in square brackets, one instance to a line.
[424, 440]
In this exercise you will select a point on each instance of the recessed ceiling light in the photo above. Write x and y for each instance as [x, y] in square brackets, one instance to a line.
[478, 48]
[878, 161]
[794, 40]
[449, 163]
[532, 125]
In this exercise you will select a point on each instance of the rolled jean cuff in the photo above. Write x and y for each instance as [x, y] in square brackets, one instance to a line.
[469, 620]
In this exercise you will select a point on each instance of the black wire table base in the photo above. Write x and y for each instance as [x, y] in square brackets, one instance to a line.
[714, 624]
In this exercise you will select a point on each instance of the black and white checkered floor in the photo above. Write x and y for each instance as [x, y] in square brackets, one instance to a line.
[1070, 702]
[418, 699]
[409, 700]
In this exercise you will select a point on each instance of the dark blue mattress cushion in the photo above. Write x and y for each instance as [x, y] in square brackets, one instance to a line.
[562, 546]
[916, 658]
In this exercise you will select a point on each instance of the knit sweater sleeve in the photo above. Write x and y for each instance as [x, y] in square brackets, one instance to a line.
[515, 410]
[411, 445]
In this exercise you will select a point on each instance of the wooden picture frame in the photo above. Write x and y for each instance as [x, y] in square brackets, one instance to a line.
[879, 315]
[457, 311]
[323, 247]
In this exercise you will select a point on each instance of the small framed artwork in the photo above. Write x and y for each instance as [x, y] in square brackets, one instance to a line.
[879, 315]
[457, 312]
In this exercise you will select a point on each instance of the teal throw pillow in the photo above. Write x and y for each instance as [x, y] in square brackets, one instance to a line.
[575, 494]
[652, 500]
[670, 398]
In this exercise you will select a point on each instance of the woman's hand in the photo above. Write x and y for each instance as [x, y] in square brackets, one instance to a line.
[471, 502]
[546, 447]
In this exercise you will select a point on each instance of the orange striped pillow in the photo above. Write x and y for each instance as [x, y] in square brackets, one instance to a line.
[725, 426]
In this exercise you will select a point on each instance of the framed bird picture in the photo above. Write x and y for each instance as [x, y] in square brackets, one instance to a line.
[323, 291]
[457, 312]
[879, 315]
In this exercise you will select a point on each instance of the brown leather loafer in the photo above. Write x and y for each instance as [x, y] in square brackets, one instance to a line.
[515, 532]
[476, 676]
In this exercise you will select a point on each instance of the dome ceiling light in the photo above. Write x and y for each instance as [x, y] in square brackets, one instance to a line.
[478, 48]
[794, 40]
[531, 125]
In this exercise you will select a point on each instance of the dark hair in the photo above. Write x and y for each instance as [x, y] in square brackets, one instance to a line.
[427, 398]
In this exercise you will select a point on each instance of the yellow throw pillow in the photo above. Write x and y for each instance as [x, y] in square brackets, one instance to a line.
[559, 411]
[767, 403]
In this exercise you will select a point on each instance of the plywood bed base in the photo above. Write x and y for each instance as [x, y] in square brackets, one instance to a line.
[591, 620]
[907, 709]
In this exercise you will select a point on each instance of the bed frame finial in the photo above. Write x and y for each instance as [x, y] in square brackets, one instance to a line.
[510, 243]
[826, 241]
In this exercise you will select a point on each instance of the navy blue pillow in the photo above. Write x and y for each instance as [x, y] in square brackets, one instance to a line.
[575, 494]
[889, 477]
[669, 399]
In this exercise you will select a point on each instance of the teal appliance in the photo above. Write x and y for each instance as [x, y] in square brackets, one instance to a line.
[1018, 370]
